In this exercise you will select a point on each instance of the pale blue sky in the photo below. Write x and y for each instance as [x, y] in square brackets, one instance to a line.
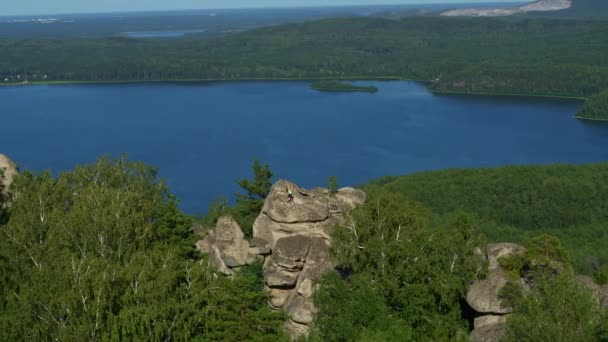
[14, 7]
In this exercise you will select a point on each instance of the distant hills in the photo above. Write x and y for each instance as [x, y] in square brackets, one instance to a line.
[537, 6]
[559, 8]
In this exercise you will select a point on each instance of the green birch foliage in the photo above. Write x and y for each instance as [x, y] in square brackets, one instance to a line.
[557, 310]
[421, 272]
[102, 253]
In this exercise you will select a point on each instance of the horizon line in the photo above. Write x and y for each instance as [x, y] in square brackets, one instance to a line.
[263, 7]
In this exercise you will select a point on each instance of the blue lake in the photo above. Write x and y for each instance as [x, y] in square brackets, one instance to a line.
[204, 136]
[160, 34]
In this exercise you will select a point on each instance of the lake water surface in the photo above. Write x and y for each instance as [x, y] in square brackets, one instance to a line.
[204, 136]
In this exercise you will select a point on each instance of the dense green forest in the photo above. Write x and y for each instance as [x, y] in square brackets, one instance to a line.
[596, 107]
[518, 202]
[332, 85]
[102, 253]
[525, 56]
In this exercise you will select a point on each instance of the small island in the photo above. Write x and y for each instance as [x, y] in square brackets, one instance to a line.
[595, 108]
[341, 86]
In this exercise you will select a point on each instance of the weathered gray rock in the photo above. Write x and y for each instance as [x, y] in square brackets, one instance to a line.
[216, 262]
[495, 251]
[9, 170]
[290, 252]
[489, 320]
[590, 284]
[350, 197]
[298, 234]
[306, 206]
[255, 258]
[260, 250]
[277, 277]
[489, 333]
[306, 288]
[203, 246]
[483, 295]
[301, 310]
[296, 330]
[230, 240]
[278, 297]
[312, 213]
[227, 242]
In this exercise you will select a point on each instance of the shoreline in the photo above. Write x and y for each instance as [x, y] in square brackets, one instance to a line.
[591, 119]
[446, 92]
[288, 79]
[202, 80]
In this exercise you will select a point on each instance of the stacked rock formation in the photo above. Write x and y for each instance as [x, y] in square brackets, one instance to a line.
[9, 170]
[298, 233]
[292, 237]
[483, 295]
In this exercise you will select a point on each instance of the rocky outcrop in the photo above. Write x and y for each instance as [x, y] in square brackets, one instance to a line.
[600, 293]
[227, 247]
[298, 233]
[537, 6]
[312, 213]
[291, 236]
[483, 295]
[9, 171]
[489, 328]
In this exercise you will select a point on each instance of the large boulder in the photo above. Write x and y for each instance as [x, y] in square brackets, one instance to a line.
[311, 213]
[9, 170]
[278, 277]
[230, 240]
[491, 329]
[483, 295]
[217, 263]
[307, 206]
[290, 252]
[590, 284]
[227, 247]
[600, 292]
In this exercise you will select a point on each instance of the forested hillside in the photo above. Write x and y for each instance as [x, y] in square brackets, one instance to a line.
[527, 56]
[587, 9]
[102, 253]
[517, 202]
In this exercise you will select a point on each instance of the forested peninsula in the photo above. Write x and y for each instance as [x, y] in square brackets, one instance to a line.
[518, 56]
[596, 108]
